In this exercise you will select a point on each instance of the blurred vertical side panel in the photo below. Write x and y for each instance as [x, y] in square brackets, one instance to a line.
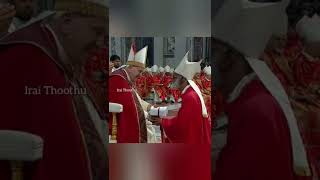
[159, 162]
[149, 18]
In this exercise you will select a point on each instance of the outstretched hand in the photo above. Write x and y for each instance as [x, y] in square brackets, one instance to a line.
[155, 121]
[111, 65]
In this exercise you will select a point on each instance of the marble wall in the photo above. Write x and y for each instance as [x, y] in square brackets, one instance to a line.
[120, 46]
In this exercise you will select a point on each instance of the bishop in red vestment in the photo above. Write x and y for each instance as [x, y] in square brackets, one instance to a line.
[131, 123]
[131, 126]
[192, 123]
[259, 144]
[40, 97]
[188, 126]
[263, 140]
[297, 71]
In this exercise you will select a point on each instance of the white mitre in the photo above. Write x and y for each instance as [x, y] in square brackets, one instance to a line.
[138, 59]
[154, 68]
[309, 28]
[167, 68]
[250, 35]
[251, 32]
[225, 18]
[207, 70]
[161, 69]
[188, 70]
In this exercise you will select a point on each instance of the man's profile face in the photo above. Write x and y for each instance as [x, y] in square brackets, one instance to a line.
[24, 9]
[117, 63]
[177, 81]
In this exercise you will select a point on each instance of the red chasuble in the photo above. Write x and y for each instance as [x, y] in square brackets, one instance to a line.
[29, 70]
[52, 117]
[131, 126]
[189, 126]
[299, 75]
[204, 85]
[258, 143]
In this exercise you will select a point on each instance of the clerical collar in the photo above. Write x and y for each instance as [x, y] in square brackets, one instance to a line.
[185, 89]
[238, 89]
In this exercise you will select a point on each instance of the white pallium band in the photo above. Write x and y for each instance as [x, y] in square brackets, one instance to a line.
[273, 85]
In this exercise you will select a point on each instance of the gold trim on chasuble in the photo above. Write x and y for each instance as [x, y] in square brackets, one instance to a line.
[135, 63]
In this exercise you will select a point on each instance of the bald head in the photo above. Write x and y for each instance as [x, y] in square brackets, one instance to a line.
[231, 66]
